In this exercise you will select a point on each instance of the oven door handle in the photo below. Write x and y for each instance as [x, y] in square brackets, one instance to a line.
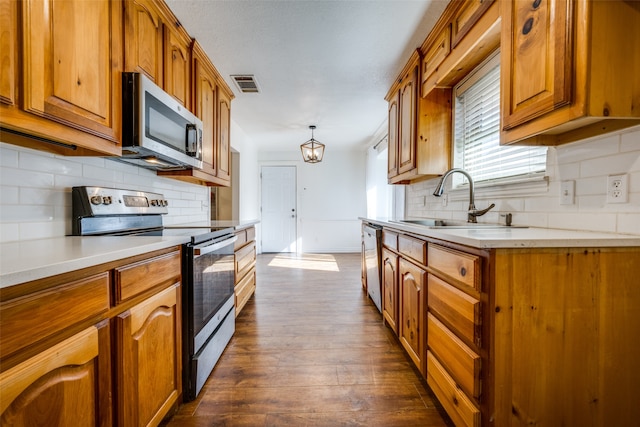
[205, 249]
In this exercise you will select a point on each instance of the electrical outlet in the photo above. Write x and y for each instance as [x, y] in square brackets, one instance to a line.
[567, 192]
[617, 188]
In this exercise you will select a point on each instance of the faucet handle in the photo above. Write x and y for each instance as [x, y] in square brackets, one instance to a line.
[473, 214]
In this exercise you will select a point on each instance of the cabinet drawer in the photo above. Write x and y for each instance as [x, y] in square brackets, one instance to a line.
[28, 319]
[413, 248]
[245, 260]
[390, 239]
[459, 310]
[435, 54]
[459, 407]
[462, 362]
[251, 234]
[136, 278]
[460, 266]
[244, 289]
[241, 239]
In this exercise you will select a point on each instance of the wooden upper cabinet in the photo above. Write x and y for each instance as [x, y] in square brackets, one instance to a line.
[223, 170]
[69, 86]
[407, 119]
[69, 60]
[392, 138]
[212, 105]
[540, 47]
[569, 69]
[403, 101]
[143, 39]
[205, 104]
[177, 62]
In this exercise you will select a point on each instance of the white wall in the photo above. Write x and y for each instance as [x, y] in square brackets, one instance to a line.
[35, 191]
[249, 177]
[331, 197]
[587, 162]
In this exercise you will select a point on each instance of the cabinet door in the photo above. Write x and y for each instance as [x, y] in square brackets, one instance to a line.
[413, 307]
[407, 117]
[177, 46]
[149, 359]
[537, 51]
[8, 51]
[205, 103]
[66, 385]
[72, 64]
[224, 137]
[143, 39]
[390, 289]
[392, 138]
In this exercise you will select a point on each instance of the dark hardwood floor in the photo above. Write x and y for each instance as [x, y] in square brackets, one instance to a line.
[310, 349]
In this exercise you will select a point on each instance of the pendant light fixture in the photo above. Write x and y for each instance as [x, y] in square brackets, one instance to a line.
[312, 150]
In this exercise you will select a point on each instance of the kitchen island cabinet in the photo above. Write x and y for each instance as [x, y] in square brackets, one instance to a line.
[96, 346]
[528, 326]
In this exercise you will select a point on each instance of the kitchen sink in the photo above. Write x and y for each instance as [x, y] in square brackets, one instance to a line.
[445, 223]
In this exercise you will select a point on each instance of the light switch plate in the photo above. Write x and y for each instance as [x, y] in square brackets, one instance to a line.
[567, 192]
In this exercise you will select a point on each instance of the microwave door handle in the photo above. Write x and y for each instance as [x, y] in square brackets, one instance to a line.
[191, 143]
[205, 249]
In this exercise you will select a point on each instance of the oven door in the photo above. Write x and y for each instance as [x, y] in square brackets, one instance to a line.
[209, 286]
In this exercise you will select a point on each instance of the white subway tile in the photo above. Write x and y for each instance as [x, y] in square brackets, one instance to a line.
[26, 213]
[583, 221]
[629, 223]
[99, 173]
[590, 186]
[589, 149]
[8, 157]
[41, 230]
[42, 196]
[53, 164]
[621, 163]
[25, 178]
[9, 232]
[630, 141]
[9, 195]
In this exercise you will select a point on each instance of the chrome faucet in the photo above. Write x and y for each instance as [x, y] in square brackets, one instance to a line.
[473, 212]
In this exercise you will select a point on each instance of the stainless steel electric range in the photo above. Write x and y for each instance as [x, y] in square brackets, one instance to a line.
[208, 313]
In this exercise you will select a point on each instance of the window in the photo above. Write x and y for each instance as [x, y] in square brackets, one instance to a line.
[476, 131]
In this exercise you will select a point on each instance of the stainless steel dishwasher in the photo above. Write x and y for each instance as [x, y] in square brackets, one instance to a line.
[372, 246]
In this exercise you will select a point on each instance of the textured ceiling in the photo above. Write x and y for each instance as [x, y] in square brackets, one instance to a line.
[323, 63]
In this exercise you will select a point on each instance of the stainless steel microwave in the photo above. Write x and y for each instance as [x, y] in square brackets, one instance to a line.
[157, 131]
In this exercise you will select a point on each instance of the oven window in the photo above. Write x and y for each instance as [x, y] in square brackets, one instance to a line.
[212, 285]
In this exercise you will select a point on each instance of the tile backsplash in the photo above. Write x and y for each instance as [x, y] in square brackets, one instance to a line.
[588, 163]
[35, 191]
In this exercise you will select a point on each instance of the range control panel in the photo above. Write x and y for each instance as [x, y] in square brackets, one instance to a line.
[98, 201]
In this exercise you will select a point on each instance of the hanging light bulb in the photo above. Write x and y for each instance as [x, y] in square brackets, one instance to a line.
[312, 150]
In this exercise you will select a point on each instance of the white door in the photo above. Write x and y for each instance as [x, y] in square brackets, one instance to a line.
[279, 216]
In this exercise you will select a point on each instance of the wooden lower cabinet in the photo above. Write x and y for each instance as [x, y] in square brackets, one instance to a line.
[513, 337]
[390, 288]
[244, 267]
[412, 329]
[148, 359]
[66, 385]
[94, 347]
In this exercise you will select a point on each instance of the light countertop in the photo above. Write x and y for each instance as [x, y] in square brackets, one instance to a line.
[29, 260]
[235, 224]
[513, 237]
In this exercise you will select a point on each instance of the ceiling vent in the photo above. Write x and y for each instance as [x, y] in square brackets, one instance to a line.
[246, 83]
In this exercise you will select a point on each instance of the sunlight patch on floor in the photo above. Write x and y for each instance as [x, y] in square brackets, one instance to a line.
[321, 262]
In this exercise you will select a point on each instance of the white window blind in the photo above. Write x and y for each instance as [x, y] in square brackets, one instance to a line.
[477, 131]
